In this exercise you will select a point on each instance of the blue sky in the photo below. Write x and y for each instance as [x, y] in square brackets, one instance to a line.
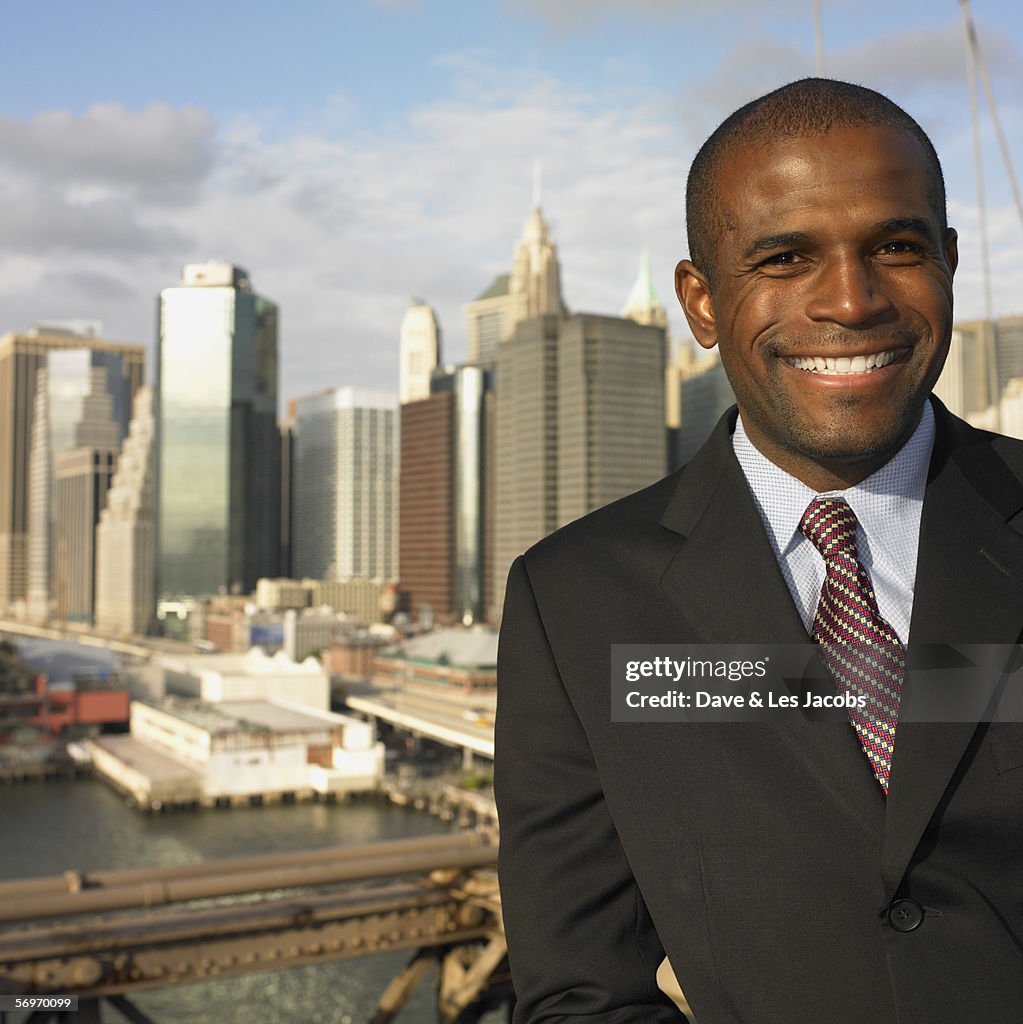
[353, 154]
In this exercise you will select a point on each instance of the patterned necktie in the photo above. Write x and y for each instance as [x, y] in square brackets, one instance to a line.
[860, 649]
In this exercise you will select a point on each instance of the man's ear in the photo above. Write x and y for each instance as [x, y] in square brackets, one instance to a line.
[952, 248]
[693, 291]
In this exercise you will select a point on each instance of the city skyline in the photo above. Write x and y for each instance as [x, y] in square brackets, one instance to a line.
[356, 155]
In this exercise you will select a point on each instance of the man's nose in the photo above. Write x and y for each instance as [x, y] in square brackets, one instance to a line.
[847, 292]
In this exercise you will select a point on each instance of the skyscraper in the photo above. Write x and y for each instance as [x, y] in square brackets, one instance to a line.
[644, 304]
[533, 288]
[580, 422]
[286, 427]
[426, 519]
[984, 358]
[701, 394]
[969, 381]
[21, 357]
[219, 446]
[126, 534]
[419, 351]
[445, 486]
[83, 472]
[345, 497]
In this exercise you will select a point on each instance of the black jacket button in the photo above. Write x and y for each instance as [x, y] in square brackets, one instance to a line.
[905, 915]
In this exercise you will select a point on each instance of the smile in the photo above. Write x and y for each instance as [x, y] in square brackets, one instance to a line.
[837, 365]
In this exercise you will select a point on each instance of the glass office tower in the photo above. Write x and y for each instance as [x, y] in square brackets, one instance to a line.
[219, 448]
[345, 495]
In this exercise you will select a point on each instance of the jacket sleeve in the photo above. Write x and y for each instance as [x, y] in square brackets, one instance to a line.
[581, 944]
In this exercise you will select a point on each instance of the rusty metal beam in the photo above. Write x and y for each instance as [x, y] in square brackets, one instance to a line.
[176, 889]
[73, 881]
[462, 984]
[397, 993]
[137, 951]
[313, 907]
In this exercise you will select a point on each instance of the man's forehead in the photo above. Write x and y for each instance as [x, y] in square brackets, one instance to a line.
[767, 149]
[843, 161]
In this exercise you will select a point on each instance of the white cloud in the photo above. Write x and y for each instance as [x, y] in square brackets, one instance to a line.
[342, 227]
[581, 14]
[41, 218]
[919, 58]
[158, 147]
[394, 5]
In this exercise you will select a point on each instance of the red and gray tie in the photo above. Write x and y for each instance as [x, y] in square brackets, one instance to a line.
[860, 649]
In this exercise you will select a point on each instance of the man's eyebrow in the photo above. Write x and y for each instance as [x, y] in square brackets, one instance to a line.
[920, 225]
[788, 240]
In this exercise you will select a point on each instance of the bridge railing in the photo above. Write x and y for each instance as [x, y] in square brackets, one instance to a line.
[106, 934]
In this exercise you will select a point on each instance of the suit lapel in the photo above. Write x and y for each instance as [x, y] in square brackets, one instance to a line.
[968, 591]
[724, 577]
[725, 582]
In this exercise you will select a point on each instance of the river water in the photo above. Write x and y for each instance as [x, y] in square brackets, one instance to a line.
[49, 827]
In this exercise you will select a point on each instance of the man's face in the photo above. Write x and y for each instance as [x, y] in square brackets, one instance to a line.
[832, 304]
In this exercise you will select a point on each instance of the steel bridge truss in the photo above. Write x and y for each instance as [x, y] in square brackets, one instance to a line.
[110, 934]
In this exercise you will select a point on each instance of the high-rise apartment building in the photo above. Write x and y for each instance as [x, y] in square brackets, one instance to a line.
[1008, 350]
[126, 534]
[486, 318]
[445, 487]
[345, 493]
[984, 358]
[419, 351]
[533, 288]
[40, 502]
[21, 358]
[968, 384]
[286, 427]
[219, 445]
[580, 422]
[700, 393]
[426, 506]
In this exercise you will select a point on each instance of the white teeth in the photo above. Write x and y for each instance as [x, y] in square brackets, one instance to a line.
[835, 365]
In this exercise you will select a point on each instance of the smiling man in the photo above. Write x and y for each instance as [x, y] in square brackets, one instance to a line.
[814, 870]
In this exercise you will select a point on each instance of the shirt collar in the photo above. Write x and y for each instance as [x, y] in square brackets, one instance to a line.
[887, 503]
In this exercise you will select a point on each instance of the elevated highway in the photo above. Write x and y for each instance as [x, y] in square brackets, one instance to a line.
[452, 719]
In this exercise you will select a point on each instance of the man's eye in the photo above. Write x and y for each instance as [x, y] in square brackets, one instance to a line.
[781, 259]
[900, 247]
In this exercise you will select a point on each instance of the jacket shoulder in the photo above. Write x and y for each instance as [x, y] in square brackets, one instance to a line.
[626, 521]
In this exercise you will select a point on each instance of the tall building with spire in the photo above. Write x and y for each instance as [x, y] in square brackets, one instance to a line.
[126, 534]
[532, 288]
[644, 304]
[419, 351]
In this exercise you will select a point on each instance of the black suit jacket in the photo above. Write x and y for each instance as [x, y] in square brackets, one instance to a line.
[761, 858]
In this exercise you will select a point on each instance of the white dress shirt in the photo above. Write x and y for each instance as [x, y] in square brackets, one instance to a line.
[888, 505]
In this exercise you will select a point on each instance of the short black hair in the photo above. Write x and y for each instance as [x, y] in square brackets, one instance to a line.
[808, 107]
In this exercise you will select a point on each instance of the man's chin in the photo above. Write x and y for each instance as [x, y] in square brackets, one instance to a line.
[845, 448]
